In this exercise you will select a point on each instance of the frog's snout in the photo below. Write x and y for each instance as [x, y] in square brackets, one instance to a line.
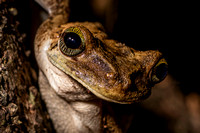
[159, 71]
[155, 66]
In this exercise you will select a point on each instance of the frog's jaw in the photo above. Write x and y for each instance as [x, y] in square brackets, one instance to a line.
[118, 88]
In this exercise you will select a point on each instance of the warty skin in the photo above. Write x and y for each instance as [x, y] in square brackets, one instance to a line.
[72, 87]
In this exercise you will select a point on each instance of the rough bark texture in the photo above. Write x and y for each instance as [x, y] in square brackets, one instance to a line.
[20, 104]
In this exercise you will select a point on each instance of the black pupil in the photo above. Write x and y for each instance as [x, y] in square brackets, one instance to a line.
[161, 71]
[72, 40]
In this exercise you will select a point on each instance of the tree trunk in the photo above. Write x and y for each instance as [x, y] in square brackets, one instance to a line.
[20, 102]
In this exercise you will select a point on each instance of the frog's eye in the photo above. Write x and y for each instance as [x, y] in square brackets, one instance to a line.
[72, 42]
[159, 72]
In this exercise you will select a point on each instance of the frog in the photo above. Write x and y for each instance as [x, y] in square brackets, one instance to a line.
[81, 69]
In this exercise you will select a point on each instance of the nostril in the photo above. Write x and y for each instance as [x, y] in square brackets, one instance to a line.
[159, 72]
[135, 81]
[133, 86]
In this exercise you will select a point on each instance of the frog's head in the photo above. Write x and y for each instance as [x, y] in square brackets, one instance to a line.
[109, 69]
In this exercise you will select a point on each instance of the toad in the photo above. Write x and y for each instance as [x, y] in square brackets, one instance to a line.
[79, 67]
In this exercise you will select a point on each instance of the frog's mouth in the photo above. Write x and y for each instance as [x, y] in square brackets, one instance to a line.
[123, 88]
[139, 89]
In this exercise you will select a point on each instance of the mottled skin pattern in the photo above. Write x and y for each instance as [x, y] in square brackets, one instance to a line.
[72, 87]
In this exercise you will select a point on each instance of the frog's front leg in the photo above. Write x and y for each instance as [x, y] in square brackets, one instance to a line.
[54, 7]
[71, 117]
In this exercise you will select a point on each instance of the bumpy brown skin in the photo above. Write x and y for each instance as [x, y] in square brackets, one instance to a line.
[109, 69]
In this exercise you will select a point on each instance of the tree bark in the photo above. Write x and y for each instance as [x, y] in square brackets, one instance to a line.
[21, 108]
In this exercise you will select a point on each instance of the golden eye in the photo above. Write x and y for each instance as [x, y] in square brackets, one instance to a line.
[159, 72]
[72, 42]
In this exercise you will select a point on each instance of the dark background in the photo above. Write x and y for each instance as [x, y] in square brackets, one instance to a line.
[170, 27]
